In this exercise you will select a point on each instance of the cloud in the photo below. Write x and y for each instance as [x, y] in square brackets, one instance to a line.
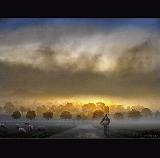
[67, 61]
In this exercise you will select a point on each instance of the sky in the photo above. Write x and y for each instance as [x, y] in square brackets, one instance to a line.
[109, 59]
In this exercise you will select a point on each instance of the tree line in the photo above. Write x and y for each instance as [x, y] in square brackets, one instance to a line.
[69, 111]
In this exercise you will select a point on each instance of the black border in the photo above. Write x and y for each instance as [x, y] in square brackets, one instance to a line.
[76, 9]
[81, 147]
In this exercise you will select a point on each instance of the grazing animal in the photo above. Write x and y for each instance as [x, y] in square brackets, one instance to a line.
[21, 130]
[30, 127]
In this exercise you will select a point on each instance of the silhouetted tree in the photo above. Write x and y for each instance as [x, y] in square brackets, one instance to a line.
[78, 117]
[9, 107]
[31, 115]
[98, 114]
[134, 114]
[16, 115]
[48, 115]
[103, 107]
[137, 107]
[68, 107]
[118, 115]
[88, 109]
[146, 112]
[65, 115]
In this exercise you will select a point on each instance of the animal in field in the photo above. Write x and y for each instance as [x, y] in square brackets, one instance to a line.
[22, 130]
[30, 128]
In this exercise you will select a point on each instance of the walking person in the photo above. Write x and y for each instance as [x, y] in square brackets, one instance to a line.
[105, 123]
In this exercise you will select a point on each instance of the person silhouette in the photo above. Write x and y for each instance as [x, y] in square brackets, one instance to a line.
[105, 123]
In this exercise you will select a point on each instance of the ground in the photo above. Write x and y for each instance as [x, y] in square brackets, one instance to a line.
[84, 129]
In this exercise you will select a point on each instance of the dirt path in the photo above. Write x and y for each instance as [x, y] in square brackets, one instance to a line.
[82, 131]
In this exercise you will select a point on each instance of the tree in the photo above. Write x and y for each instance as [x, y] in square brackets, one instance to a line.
[103, 107]
[98, 114]
[16, 115]
[134, 114]
[48, 115]
[68, 107]
[157, 114]
[65, 115]
[146, 112]
[88, 109]
[31, 115]
[78, 117]
[9, 107]
[118, 115]
[137, 107]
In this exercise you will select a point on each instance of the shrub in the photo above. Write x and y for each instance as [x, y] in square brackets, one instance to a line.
[31, 115]
[65, 115]
[16, 115]
[48, 115]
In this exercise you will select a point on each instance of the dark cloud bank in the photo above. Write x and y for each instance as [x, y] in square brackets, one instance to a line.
[135, 74]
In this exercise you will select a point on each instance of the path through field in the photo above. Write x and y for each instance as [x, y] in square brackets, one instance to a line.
[82, 131]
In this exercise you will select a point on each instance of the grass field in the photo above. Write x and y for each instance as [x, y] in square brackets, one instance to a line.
[84, 129]
[51, 128]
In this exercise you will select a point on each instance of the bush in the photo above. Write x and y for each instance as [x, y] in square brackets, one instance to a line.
[16, 115]
[78, 117]
[65, 115]
[31, 115]
[48, 115]
[146, 112]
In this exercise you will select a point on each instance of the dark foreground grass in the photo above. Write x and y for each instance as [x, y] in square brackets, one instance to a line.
[150, 133]
[133, 132]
